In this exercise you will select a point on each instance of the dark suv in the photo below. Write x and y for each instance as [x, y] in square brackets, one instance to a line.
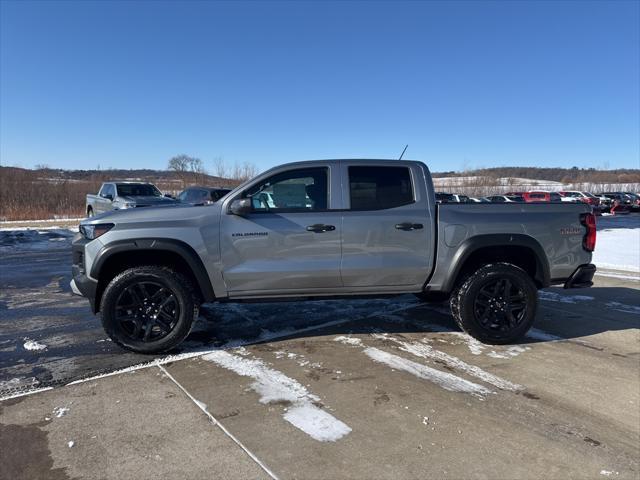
[202, 195]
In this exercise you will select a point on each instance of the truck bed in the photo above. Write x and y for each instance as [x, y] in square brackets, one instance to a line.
[461, 227]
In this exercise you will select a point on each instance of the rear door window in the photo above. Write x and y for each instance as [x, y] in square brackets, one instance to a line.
[379, 188]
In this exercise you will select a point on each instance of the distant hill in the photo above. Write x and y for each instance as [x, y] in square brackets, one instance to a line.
[160, 177]
[49, 193]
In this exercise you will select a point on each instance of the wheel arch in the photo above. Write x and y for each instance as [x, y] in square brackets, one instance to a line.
[521, 250]
[120, 255]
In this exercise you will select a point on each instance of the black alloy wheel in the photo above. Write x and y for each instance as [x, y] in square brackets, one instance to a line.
[496, 304]
[147, 311]
[500, 305]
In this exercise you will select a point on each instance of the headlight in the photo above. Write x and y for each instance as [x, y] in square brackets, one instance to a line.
[91, 232]
[128, 205]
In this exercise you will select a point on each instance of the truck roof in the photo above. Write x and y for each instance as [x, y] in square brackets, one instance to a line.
[129, 181]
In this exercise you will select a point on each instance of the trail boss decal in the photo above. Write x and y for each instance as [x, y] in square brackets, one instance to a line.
[571, 231]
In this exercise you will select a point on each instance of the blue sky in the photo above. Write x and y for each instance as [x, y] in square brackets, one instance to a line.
[466, 84]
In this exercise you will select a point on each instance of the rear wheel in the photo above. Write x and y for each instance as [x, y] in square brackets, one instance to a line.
[148, 309]
[496, 304]
[90, 212]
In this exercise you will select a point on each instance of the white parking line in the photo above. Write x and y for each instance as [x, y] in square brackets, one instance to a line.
[215, 421]
[442, 379]
[426, 351]
[274, 386]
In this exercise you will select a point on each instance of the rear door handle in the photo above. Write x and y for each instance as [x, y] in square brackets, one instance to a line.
[408, 226]
[320, 227]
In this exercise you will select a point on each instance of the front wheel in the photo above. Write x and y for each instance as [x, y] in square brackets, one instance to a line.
[496, 304]
[148, 309]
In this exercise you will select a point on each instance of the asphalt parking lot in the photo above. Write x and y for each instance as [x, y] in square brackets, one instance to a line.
[357, 389]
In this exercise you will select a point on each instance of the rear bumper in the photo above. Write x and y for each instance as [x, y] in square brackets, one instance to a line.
[582, 277]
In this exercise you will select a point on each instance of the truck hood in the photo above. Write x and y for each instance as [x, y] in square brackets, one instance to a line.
[171, 215]
[148, 200]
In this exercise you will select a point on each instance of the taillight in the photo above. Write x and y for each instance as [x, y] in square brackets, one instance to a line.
[589, 240]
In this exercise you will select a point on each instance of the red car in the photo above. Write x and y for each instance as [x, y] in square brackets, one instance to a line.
[540, 196]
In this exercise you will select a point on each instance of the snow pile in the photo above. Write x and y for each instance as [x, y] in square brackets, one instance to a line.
[618, 243]
[33, 345]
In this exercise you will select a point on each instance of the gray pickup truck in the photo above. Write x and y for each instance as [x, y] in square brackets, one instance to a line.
[335, 228]
[121, 195]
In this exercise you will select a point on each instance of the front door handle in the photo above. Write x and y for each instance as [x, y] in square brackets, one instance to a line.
[320, 227]
[408, 226]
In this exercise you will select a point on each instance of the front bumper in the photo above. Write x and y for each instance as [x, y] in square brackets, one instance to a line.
[81, 284]
[582, 277]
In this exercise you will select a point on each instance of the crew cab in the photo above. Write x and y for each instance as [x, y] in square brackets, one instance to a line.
[121, 195]
[331, 228]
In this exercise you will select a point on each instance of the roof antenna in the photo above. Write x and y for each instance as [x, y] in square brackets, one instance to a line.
[405, 149]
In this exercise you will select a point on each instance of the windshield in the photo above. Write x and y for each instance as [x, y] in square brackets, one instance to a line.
[138, 190]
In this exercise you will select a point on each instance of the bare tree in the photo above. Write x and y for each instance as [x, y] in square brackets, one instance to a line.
[244, 171]
[220, 168]
[185, 166]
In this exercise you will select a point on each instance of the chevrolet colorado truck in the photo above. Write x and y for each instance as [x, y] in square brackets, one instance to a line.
[122, 195]
[335, 228]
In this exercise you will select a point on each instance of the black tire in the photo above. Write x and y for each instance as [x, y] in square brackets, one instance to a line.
[148, 309]
[90, 212]
[481, 308]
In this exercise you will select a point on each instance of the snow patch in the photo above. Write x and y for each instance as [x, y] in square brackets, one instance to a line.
[632, 278]
[426, 351]
[556, 297]
[509, 352]
[316, 422]
[618, 248]
[608, 473]
[356, 342]
[621, 307]
[60, 411]
[274, 386]
[33, 345]
[442, 379]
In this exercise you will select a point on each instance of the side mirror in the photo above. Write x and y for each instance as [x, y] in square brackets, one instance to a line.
[168, 195]
[108, 196]
[240, 207]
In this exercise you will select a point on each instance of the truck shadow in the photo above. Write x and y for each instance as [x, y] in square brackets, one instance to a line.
[561, 316]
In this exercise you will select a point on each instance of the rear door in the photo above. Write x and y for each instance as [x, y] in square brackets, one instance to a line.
[388, 227]
[290, 242]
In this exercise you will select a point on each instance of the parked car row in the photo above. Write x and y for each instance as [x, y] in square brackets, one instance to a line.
[616, 202]
[120, 195]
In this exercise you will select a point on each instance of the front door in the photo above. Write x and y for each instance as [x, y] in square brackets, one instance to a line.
[289, 242]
